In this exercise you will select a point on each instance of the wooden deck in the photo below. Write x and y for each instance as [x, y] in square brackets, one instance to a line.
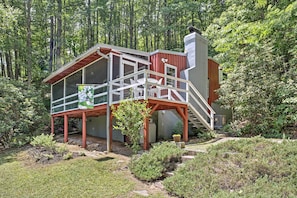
[182, 98]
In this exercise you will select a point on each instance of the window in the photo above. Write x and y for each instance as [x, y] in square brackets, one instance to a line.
[170, 70]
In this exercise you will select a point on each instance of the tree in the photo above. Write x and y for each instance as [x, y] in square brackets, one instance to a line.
[22, 112]
[130, 116]
[261, 68]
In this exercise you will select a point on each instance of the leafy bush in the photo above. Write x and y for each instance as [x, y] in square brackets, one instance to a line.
[68, 156]
[248, 168]
[152, 165]
[130, 115]
[62, 149]
[178, 128]
[22, 112]
[46, 141]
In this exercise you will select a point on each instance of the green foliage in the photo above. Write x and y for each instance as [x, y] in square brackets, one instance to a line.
[178, 128]
[258, 51]
[152, 165]
[62, 149]
[22, 112]
[130, 116]
[68, 156]
[206, 135]
[243, 168]
[43, 140]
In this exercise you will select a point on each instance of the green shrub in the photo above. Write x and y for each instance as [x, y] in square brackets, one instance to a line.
[178, 128]
[46, 141]
[68, 156]
[62, 149]
[247, 167]
[130, 115]
[152, 165]
[22, 112]
[48, 156]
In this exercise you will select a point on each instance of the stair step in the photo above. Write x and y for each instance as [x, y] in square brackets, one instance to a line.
[191, 152]
[180, 165]
[187, 157]
[169, 174]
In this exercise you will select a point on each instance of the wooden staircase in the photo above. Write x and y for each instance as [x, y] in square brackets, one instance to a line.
[197, 120]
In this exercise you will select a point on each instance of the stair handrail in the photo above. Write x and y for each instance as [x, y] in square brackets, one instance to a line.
[207, 106]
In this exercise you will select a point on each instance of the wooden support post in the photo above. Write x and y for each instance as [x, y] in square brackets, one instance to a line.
[146, 134]
[65, 128]
[184, 115]
[186, 126]
[52, 125]
[84, 130]
[110, 132]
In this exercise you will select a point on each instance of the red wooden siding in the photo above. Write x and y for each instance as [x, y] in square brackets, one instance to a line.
[213, 75]
[177, 60]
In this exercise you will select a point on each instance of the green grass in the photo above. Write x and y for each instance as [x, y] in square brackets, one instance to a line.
[253, 167]
[80, 177]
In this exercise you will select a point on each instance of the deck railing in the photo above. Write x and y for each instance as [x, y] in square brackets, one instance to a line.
[184, 92]
[70, 102]
[144, 84]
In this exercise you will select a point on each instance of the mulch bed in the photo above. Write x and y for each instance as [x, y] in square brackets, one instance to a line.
[43, 155]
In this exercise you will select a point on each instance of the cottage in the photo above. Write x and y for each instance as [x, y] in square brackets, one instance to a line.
[178, 86]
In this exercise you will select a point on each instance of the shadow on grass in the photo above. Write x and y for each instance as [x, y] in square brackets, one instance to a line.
[8, 156]
[103, 159]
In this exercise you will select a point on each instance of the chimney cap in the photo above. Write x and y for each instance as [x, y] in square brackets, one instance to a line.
[194, 29]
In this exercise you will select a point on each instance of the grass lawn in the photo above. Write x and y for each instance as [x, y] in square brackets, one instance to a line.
[80, 177]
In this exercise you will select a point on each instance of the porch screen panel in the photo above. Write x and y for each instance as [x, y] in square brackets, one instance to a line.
[115, 67]
[97, 74]
[71, 88]
[58, 93]
[72, 81]
[58, 90]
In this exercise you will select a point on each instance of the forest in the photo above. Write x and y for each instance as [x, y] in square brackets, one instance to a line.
[255, 42]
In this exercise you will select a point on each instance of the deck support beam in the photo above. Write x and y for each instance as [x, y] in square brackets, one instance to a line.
[65, 128]
[184, 115]
[84, 130]
[52, 125]
[186, 127]
[146, 134]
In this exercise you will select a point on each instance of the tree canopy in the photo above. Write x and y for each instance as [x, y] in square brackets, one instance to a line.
[253, 40]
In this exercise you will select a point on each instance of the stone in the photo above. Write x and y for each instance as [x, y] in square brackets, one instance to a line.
[143, 193]
[181, 144]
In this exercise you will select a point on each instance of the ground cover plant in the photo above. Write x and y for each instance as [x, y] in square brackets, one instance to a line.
[45, 150]
[152, 165]
[253, 167]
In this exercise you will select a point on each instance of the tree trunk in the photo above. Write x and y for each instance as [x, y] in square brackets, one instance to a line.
[59, 34]
[3, 73]
[89, 25]
[29, 43]
[9, 65]
[131, 23]
[17, 69]
[51, 52]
